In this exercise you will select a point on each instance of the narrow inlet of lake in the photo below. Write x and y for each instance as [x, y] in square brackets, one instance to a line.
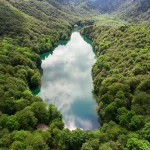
[67, 83]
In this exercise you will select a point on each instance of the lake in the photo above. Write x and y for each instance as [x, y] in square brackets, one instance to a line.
[67, 82]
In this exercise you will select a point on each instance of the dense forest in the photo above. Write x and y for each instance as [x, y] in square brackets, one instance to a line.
[121, 79]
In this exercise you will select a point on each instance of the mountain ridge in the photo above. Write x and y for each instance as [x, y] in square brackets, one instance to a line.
[135, 11]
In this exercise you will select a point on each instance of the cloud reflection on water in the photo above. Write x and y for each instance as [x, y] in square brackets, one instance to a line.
[67, 83]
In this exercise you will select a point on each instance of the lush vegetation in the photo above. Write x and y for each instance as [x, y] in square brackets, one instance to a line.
[109, 20]
[136, 11]
[22, 38]
[28, 29]
[121, 80]
[120, 75]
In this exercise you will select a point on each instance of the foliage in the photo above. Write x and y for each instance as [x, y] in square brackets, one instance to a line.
[121, 80]
[120, 76]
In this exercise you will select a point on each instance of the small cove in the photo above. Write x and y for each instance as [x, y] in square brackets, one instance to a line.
[67, 82]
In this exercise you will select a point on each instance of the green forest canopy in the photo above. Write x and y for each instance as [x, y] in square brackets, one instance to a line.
[120, 77]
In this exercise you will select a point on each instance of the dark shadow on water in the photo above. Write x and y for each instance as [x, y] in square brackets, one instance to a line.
[45, 55]
[62, 42]
[36, 91]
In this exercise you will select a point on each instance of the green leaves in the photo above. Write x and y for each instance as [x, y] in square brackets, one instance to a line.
[12, 123]
[136, 144]
[35, 80]
[86, 146]
[53, 113]
[121, 84]
[129, 119]
[26, 119]
[40, 112]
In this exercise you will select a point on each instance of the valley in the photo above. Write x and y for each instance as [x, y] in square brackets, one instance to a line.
[119, 32]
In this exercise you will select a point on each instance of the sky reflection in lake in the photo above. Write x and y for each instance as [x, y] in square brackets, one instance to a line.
[67, 83]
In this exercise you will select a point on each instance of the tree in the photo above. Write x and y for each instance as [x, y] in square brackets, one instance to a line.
[36, 142]
[144, 86]
[12, 123]
[105, 146]
[35, 80]
[57, 123]
[40, 112]
[76, 139]
[123, 116]
[110, 111]
[86, 146]
[6, 140]
[64, 142]
[94, 143]
[141, 103]
[26, 119]
[146, 131]
[20, 135]
[136, 122]
[17, 145]
[53, 113]
[135, 144]
[27, 94]
[7, 105]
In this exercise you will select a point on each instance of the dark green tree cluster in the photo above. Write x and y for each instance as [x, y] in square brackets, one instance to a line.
[18, 130]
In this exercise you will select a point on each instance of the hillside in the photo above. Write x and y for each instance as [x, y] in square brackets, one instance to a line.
[130, 10]
[23, 36]
[121, 80]
[108, 6]
[80, 7]
[45, 12]
[136, 12]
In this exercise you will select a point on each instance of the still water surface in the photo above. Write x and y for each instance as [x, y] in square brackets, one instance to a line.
[67, 82]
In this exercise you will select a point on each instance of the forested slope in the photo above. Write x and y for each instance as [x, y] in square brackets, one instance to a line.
[22, 38]
[136, 12]
[133, 11]
[121, 79]
[28, 29]
[80, 7]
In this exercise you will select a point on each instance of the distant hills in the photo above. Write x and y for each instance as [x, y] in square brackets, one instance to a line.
[108, 6]
[80, 7]
[132, 10]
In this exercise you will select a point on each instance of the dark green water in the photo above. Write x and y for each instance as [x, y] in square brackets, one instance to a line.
[67, 82]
